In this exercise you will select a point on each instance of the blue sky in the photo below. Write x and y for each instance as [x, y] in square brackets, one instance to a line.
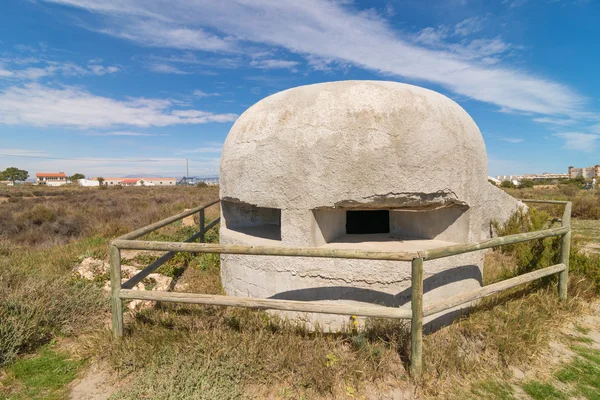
[125, 87]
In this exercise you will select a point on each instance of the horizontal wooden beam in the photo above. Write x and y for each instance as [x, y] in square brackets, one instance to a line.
[543, 201]
[264, 250]
[137, 278]
[491, 289]
[373, 311]
[157, 225]
[494, 242]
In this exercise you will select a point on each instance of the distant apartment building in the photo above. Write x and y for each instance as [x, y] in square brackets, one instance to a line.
[194, 180]
[534, 177]
[586, 173]
[140, 181]
[50, 178]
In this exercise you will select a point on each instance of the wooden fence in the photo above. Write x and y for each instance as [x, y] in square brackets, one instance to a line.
[120, 292]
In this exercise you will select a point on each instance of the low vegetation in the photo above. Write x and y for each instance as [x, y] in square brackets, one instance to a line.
[43, 376]
[41, 240]
[185, 351]
[46, 217]
[586, 203]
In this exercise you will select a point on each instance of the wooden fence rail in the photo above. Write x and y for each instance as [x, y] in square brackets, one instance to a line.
[416, 313]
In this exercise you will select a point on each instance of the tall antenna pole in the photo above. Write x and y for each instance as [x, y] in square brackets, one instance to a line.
[187, 172]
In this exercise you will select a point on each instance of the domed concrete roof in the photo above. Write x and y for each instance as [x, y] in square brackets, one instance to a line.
[354, 143]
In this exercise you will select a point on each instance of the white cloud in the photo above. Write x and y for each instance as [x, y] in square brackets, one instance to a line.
[107, 167]
[206, 149]
[481, 48]
[554, 121]
[389, 10]
[166, 69]
[24, 47]
[102, 70]
[469, 26]
[595, 128]
[329, 30]
[124, 133]
[201, 93]
[432, 36]
[39, 105]
[23, 152]
[324, 64]
[444, 38]
[33, 73]
[170, 36]
[4, 73]
[579, 141]
[274, 64]
[514, 3]
[511, 140]
[51, 68]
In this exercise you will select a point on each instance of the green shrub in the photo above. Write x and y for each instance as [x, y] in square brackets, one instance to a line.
[533, 254]
[507, 184]
[542, 253]
[526, 183]
[587, 206]
[569, 190]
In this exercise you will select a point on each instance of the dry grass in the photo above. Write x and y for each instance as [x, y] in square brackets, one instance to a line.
[71, 214]
[586, 203]
[42, 239]
[181, 351]
[41, 298]
[186, 351]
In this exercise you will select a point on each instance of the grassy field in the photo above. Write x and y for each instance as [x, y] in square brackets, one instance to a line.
[54, 323]
[588, 231]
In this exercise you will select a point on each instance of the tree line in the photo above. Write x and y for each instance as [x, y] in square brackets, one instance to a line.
[15, 174]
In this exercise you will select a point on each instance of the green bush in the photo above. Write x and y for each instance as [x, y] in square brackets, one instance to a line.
[508, 184]
[542, 253]
[526, 183]
[587, 206]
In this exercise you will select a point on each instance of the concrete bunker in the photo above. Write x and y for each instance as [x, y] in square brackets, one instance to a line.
[355, 164]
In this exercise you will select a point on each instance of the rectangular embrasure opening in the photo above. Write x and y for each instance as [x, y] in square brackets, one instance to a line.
[359, 222]
[262, 222]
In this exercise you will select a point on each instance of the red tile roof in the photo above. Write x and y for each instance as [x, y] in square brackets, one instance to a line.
[50, 174]
[130, 180]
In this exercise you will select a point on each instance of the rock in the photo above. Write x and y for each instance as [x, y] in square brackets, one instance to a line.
[154, 281]
[90, 268]
[517, 373]
[189, 220]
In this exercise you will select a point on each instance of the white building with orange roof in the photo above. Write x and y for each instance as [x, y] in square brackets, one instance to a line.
[140, 181]
[50, 178]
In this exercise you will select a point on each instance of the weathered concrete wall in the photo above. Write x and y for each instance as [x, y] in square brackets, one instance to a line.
[315, 151]
[448, 223]
[340, 280]
[499, 206]
[375, 143]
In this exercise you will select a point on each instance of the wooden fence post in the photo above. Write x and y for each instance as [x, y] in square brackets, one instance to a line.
[201, 216]
[565, 251]
[115, 288]
[416, 325]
